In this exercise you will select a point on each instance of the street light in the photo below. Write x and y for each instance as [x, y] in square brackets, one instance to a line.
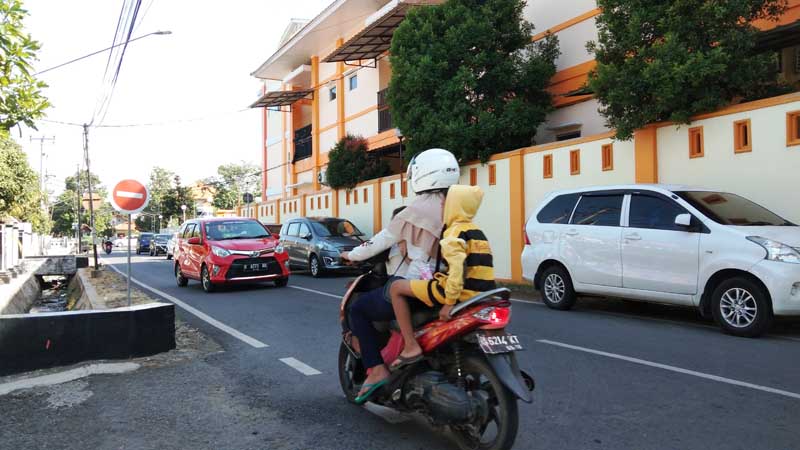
[156, 33]
[183, 208]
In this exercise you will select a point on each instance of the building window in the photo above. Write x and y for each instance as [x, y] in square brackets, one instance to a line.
[473, 176]
[742, 140]
[365, 196]
[575, 162]
[793, 128]
[355, 197]
[547, 165]
[608, 156]
[696, 142]
[391, 191]
[492, 174]
[568, 135]
[332, 93]
[326, 202]
[319, 202]
[352, 82]
[403, 187]
[347, 197]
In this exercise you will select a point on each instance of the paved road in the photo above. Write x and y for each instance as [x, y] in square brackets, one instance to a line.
[610, 375]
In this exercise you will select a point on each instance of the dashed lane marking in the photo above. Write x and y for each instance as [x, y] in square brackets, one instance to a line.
[314, 291]
[674, 369]
[300, 366]
[199, 314]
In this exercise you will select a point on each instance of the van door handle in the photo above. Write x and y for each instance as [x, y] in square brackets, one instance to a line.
[571, 232]
[633, 237]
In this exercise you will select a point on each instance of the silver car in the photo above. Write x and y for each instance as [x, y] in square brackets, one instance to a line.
[315, 243]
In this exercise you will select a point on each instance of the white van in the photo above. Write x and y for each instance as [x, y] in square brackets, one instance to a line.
[731, 258]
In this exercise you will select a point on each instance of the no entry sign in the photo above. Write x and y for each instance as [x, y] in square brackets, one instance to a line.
[129, 196]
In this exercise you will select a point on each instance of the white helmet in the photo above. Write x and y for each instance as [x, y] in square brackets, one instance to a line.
[433, 169]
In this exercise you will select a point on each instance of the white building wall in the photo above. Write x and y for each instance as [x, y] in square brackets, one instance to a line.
[767, 175]
[275, 176]
[388, 204]
[572, 43]
[328, 109]
[361, 213]
[584, 113]
[327, 139]
[365, 95]
[591, 170]
[364, 126]
[316, 205]
[545, 14]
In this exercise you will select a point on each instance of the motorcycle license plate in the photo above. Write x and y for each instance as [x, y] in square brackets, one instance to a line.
[504, 343]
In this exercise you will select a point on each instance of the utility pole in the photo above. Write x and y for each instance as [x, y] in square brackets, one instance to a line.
[89, 187]
[78, 208]
[42, 181]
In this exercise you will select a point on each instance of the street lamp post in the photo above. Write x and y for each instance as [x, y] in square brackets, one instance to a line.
[159, 222]
[183, 208]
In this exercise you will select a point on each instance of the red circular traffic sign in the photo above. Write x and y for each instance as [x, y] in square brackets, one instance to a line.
[129, 196]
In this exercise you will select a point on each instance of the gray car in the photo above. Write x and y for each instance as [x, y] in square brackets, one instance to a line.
[315, 243]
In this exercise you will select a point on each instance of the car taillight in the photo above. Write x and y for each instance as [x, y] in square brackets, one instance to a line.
[494, 317]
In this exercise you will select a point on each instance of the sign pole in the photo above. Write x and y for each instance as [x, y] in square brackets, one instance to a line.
[129, 260]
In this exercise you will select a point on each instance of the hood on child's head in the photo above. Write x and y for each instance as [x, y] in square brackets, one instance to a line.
[462, 203]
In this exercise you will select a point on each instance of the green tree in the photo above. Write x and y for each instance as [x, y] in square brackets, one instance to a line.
[667, 61]
[21, 100]
[466, 77]
[20, 196]
[63, 211]
[160, 187]
[349, 163]
[232, 181]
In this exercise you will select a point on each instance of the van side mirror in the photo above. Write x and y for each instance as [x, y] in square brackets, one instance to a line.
[307, 237]
[193, 241]
[683, 220]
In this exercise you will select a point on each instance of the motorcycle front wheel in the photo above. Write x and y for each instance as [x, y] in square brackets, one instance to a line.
[351, 373]
[500, 429]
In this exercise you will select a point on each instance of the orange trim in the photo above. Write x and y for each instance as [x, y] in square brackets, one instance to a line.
[303, 205]
[741, 107]
[403, 186]
[384, 139]
[567, 143]
[792, 128]
[575, 162]
[340, 93]
[742, 136]
[283, 148]
[315, 119]
[376, 208]
[564, 25]
[516, 203]
[473, 176]
[392, 193]
[335, 203]
[607, 155]
[696, 142]
[792, 14]
[328, 127]
[646, 155]
[492, 174]
[303, 165]
[361, 113]
[568, 80]
[547, 166]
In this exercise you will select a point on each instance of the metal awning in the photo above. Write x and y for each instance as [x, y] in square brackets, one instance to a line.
[376, 37]
[281, 98]
[779, 37]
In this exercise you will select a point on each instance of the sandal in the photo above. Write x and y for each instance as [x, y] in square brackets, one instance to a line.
[361, 399]
[402, 361]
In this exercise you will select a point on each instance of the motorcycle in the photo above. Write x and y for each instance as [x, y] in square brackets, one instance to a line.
[469, 380]
[108, 246]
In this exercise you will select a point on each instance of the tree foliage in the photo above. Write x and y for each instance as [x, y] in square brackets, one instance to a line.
[64, 212]
[232, 181]
[466, 77]
[349, 163]
[21, 100]
[20, 196]
[667, 61]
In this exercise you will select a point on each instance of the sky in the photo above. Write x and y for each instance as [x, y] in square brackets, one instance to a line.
[195, 83]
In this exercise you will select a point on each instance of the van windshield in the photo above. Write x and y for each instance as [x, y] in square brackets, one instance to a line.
[335, 228]
[730, 209]
[235, 229]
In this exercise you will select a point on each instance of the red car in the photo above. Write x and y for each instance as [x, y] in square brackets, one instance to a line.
[224, 250]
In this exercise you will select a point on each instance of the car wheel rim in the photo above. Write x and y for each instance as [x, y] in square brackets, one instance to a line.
[738, 307]
[206, 281]
[554, 288]
[314, 266]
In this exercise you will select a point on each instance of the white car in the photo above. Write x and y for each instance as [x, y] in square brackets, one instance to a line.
[716, 251]
[171, 245]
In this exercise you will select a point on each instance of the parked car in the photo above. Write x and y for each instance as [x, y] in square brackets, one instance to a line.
[122, 242]
[173, 239]
[315, 243]
[224, 250]
[733, 259]
[274, 228]
[143, 243]
[158, 245]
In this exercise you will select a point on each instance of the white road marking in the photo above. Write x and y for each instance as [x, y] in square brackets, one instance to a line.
[674, 369]
[128, 194]
[67, 376]
[314, 291]
[200, 315]
[300, 366]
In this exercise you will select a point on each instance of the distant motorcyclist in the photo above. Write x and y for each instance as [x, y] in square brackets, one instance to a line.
[419, 226]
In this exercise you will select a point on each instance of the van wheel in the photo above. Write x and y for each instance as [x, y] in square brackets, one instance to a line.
[180, 280]
[205, 280]
[314, 266]
[557, 290]
[741, 307]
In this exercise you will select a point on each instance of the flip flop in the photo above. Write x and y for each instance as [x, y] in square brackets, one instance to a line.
[402, 361]
[361, 399]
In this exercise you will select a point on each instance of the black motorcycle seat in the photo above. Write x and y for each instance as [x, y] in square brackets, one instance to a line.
[419, 317]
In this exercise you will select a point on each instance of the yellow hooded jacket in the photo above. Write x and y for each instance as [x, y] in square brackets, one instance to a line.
[466, 250]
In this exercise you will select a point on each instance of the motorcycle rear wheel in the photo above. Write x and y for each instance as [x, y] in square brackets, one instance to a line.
[351, 373]
[503, 416]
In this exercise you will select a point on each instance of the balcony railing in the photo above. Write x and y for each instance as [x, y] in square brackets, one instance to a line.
[384, 115]
[302, 144]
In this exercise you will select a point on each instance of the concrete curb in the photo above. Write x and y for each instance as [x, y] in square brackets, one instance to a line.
[89, 293]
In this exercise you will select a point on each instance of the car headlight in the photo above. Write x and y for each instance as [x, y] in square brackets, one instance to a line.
[329, 247]
[279, 248]
[777, 251]
[219, 251]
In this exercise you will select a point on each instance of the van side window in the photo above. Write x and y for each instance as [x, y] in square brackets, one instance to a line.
[598, 210]
[558, 210]
[303, 230]
[294, 227]
[654, 213]
[187, 232]
[196, 230]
